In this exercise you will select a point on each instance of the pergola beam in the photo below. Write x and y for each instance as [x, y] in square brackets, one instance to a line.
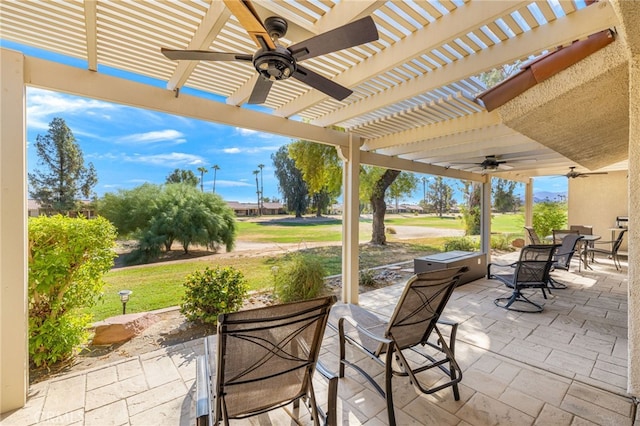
[91, 36]
[575, 26]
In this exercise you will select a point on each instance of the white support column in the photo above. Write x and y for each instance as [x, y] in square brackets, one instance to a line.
[485, 218]
[350, 220]
[528, 203]
[14, 354]
[634, 226]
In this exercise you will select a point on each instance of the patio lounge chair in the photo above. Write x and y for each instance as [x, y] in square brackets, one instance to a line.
[415, 323]
[531, 271]
[265, 359]
[613, 252]
[562, 257]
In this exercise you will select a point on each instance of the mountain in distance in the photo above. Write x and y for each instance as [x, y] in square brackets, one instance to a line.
[540, 196]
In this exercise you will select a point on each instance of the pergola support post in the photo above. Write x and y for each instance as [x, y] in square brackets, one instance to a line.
[528, 203]
[485, 218]
[14, 333]
[350, 220]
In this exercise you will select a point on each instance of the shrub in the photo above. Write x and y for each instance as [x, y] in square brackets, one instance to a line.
[502, 242]
[67, 260]
[367, 278]
[461, 243]
[549, 215]
[300, 278]
[212, 292]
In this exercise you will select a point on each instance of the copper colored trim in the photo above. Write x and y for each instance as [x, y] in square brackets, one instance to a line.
[542, 68]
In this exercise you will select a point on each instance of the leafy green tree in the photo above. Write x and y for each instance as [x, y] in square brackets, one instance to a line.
[63, 177]
[549, 215]
[440, 195]
[290, 181]
[68, 258]
[131, 210]
[471, 212]
[183, 176]
[496, 75]
[504, 199]
[321, 170]
[159, 215]
[375, 182]
[402, 186]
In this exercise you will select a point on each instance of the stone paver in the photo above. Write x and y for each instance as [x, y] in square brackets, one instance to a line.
[564, 366]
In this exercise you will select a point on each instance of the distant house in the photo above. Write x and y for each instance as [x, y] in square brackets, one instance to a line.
[252, 209]
[34, 209]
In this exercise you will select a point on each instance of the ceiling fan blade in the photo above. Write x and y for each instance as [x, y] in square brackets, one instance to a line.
[321, 83]
[204, 55]
[503, 166]
[249, 19]
[349, 35]
[593, 173]
[260, 91]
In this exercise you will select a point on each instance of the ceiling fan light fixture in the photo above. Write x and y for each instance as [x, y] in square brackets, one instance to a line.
[275, 64]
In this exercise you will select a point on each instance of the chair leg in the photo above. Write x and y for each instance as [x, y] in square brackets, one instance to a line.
[388, 386]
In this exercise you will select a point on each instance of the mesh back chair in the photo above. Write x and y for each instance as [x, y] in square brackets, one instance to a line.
[531, 271]
[563, 255]
[266, 358]
[559, 234]
[613, 252]
[533, 237]
[583, 230]
[414, 324]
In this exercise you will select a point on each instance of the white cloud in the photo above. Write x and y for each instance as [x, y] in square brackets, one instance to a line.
[230, 183]
[173, 159]
[43, 104]
[168, 135]
[250, 149]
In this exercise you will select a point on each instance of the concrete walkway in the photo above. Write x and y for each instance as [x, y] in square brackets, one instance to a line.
[564, 366]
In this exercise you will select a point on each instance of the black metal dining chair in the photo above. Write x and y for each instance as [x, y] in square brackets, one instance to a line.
[611, 252]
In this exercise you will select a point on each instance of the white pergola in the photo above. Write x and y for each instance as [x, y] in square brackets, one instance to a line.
[414, 105]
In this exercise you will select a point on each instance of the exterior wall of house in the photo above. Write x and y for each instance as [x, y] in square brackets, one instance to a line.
[597, 200]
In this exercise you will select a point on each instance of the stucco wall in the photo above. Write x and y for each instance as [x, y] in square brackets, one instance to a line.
[597, 200]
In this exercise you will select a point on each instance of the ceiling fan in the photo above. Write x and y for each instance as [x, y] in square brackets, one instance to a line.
[491, 163]
[275, 62]
[573, 173]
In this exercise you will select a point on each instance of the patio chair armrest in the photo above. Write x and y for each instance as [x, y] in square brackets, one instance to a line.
[603, 242]
[499, 265]
[330, 417]
[359, 328]
[203, 391]
[452, 335]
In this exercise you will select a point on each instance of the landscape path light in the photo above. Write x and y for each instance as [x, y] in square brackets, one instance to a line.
[124, 298]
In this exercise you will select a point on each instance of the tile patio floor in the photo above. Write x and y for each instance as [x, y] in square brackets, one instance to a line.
[565, 366]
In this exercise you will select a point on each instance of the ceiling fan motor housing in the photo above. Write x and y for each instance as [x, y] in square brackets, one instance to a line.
[276, 64]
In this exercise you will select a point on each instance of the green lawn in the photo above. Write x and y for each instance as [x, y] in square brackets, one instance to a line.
[159, 285]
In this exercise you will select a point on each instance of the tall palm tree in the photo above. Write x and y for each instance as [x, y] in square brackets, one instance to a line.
[215, 169]
[202, 171]
[255, 172]
[261, 166]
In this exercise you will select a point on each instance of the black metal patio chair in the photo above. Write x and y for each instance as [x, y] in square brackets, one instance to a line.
[413, 331]
[562, 257]
[612, 252]
[265, 359]
[531, 271]
[533, 236]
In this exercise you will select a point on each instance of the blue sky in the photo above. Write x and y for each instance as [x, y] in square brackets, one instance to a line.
[130, 146]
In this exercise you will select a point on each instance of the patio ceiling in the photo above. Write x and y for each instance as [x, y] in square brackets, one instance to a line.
[414, 88]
